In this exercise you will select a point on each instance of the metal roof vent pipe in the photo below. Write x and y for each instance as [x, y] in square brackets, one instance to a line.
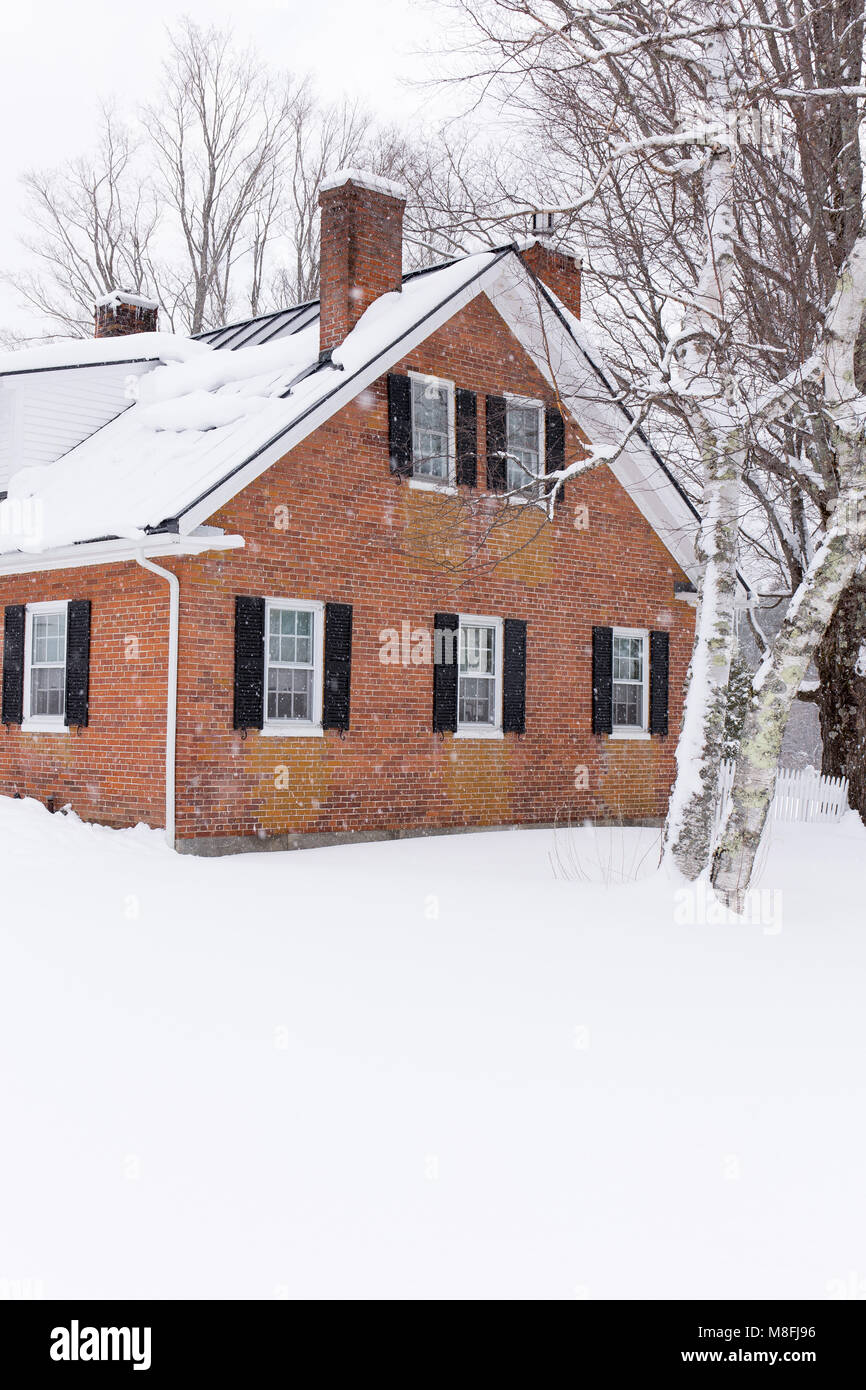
[543, 223]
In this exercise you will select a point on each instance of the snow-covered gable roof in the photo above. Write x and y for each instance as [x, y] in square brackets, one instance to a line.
[204, 426]
[98, 352]
[55, 396]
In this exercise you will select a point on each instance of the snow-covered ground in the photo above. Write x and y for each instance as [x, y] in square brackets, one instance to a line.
[427, 1068]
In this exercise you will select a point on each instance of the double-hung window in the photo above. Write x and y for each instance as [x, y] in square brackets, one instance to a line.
[630, 681]
[433, 452]
[479, 677]
[524, 443]
[294, 632]
[45, 665]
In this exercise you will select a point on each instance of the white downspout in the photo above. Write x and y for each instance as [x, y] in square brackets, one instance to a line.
[171, 697]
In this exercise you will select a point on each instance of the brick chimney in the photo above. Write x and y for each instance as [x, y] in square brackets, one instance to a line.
[118, 313]
[361, 249]
[558, 269]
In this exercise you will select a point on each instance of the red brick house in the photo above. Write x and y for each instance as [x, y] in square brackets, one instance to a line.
[299, 578]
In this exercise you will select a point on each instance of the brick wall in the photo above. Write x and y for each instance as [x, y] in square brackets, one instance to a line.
[113, 771]
[355, 534]
[358, 536]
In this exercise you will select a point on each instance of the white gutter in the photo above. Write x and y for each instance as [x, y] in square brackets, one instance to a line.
[115, 552]
[171, 696]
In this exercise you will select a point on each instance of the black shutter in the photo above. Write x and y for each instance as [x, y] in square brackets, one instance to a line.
[467, 438]
[659, 657]
[514, 677]
[338, 665]
[497, 444]
[400, 424]
[445, 658]
[13, 664]
[602, 680]
[77, 663]
[249, 663]
[554, 445]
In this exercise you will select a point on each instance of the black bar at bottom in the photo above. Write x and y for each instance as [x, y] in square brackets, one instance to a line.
[219, 1340]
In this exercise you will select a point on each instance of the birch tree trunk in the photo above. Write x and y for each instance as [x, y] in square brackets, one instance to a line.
[833, 567]
[691, 811]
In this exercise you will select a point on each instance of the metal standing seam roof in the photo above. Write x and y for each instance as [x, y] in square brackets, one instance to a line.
[263, 329]
[282, 323]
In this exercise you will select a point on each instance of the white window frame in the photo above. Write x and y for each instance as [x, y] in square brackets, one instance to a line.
[526, 403]
[424, 481]
[483, 730]
[42, 723]
[630, 730]
[297, 728]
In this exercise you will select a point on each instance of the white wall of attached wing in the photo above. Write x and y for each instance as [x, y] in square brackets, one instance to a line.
[44, 414]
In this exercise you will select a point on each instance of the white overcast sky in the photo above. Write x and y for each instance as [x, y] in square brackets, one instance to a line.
[58, 60]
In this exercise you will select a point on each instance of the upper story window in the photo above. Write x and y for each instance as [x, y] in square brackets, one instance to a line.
[45, 664]
[630, 680]
[479, 675]
[293, 664]
[432, 429]
[524, 430]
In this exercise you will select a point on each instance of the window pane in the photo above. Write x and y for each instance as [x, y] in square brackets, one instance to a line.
[290, 636]
[49, 638]
[476, 687]
[524, 444]
[430, 429]
[290, 694]
[303, 649]
[431, 405]
[628, 705]
[628, 658]
[47, 690]
[475, 705]
[523, 426]
[477, 650]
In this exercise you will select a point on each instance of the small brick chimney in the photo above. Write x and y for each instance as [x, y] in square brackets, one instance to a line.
[558, 269]
[118, 313]
[361, 249]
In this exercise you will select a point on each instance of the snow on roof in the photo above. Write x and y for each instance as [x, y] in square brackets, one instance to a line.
[117, 297]
[88, 352]
[197, 419]
[363, 179]
[206, 422]
[560, 247]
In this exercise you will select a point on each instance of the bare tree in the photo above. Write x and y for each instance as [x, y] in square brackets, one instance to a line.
[93, 228]
[221, 129]
[460, 191]
[322, 141]
[720, 249]
[463, 192]
[621, 80]
[834, 564]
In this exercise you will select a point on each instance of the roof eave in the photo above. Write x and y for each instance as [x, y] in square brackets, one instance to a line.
[115, 550]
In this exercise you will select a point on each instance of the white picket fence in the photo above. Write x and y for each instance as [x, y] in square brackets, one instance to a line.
[801, 795]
